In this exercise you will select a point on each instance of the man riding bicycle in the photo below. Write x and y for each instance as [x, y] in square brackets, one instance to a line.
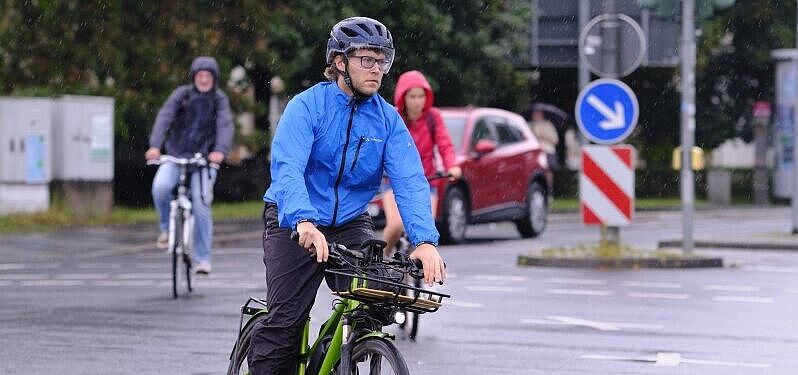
[329, 152]
[195, 119]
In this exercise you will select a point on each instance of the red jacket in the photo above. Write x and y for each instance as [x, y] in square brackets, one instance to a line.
[419, 129]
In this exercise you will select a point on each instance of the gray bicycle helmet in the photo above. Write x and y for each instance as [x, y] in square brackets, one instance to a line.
[360, 32]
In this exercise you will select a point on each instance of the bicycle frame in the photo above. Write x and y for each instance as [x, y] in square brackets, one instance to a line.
[183, 201]
[336, 326]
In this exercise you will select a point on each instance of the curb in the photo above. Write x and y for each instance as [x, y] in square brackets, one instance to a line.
[620, 263]
[732, 245]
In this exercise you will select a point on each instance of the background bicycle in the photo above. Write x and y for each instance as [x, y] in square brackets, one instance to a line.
[181, 220]
[351, 341]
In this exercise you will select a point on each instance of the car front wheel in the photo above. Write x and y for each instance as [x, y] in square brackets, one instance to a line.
[454, 217]
[536, 212]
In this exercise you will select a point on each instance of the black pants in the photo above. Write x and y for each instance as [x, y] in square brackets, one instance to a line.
[293, 278]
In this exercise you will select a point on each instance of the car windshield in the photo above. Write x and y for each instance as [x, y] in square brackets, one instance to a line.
[456, 126]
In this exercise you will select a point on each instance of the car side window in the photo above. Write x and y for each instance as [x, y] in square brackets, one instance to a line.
[507, 134]
[481, 131]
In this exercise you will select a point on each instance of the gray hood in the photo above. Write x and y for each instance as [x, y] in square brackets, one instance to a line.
[205, 63]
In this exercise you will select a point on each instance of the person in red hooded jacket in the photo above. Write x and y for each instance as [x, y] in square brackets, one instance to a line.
[413, 99]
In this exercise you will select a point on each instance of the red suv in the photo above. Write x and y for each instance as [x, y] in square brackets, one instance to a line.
[505, 174]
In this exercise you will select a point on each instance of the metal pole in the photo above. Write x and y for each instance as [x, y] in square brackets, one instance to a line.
[609, 39]
[688, 122]
[794, 199]
[583, 17]
[610, 235]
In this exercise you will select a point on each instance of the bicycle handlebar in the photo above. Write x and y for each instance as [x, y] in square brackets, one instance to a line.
[413, 266]
[198, 160]
[439, 175]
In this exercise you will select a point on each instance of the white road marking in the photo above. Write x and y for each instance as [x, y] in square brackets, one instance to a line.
[51, 282]
[23, 276]
[6, 283]
[791, 290]
[160, 275]
[743, 299]
[775, 269]
[472, 305]
[500, 278]
[101, 266]
[658, 295]
[123, 283]
[500, 289]
[725, 363]
[11, 266]
[579, 292]
[651, 284]
[672, 359]
[668, 359]
[558, 280]
[82, 276]
[732, 288]
[602, 326]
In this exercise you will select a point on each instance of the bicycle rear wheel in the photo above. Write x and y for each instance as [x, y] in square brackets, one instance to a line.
[377, 356]
[238, 358]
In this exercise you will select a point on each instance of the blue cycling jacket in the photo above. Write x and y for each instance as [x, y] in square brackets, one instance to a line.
[328, 156]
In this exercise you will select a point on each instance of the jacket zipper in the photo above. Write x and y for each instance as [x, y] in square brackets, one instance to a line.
[343, 164]
[357, 152]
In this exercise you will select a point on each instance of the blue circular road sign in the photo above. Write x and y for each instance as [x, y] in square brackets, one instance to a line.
[606, 111]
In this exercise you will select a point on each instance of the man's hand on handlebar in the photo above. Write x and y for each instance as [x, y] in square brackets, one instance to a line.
[434, 268]
[216, 157]
[312, 239]
[153, 153]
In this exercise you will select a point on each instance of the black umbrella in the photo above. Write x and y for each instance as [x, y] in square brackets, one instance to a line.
[556, 115]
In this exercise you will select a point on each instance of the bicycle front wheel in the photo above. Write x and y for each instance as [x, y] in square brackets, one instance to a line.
[238, 359]
[410, 325]
[177, 251]
[376, 355]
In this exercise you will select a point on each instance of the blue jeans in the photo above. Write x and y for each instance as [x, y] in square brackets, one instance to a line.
[201, 197]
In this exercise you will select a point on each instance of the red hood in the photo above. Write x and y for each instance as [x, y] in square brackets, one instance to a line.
[407, 81]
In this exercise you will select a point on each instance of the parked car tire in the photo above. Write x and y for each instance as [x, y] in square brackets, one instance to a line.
[536, 213]
[454, 217]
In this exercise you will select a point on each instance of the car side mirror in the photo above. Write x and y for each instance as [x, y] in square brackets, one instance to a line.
[484, 146]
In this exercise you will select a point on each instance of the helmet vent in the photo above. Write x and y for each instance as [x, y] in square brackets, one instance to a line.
[349, 32]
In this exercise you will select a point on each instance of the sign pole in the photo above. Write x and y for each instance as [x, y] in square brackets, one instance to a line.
[688, 122]
[610, 235]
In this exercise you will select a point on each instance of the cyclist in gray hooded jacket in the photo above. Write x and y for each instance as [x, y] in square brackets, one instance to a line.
[195, 119]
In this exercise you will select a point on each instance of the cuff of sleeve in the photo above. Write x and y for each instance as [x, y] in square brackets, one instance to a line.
[303, 221]
[426, 242]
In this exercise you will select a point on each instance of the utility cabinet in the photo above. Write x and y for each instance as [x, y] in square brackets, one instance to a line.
[83, 154]
[25, 154]
[83, 138]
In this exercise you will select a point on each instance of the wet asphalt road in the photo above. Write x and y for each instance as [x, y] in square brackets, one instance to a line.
[98, 300]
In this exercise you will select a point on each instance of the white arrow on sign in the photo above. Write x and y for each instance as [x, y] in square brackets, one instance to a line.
[614, 119]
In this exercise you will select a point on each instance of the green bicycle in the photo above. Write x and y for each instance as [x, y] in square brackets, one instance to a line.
[351, 340]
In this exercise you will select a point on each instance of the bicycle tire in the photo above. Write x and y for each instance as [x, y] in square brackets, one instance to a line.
[239, 356]
[176, 258]
[188, 243]
[376, 355]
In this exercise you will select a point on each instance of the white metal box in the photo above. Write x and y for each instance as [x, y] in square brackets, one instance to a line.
[25, 141]
[83, 138]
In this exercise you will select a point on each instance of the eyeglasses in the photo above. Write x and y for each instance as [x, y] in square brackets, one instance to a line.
[367, 62]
